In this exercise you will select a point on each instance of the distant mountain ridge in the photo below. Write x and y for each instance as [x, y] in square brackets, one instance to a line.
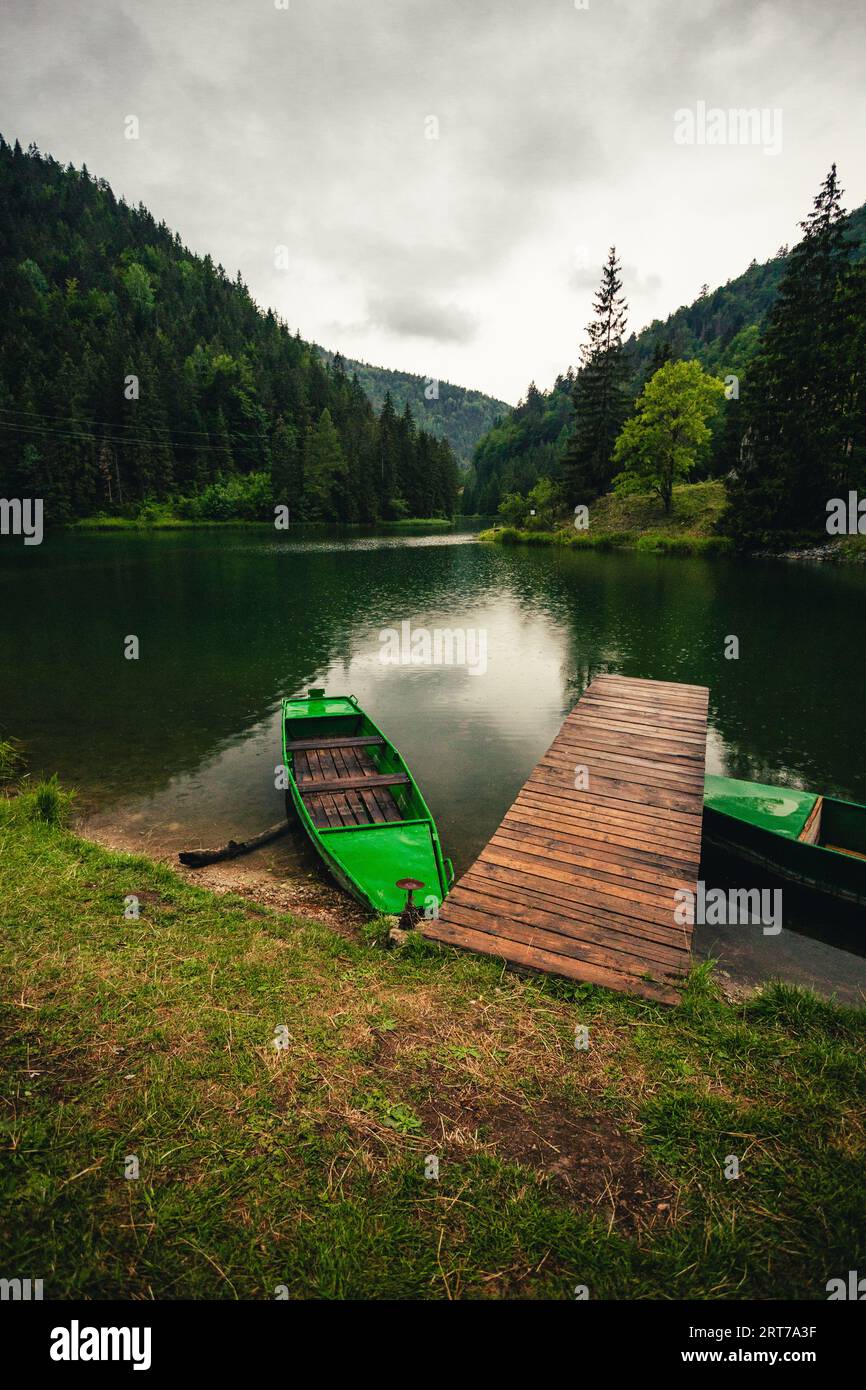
[720, 329]
[709, 327]
[456, 413]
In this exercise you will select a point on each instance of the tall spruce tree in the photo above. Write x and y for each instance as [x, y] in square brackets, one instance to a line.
[599, 398]
[287, 477]
[662, 353]
[388, 457]
[855, 405]
[324, 471]
[796, 449]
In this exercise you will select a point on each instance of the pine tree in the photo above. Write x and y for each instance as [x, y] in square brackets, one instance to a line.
[286, 471]
[662, 353]
[598, 398]
[388, 457]
[854, 426]
[446, 479]
[412, 481]
[222, 445]
[324, 471]
[796, 445]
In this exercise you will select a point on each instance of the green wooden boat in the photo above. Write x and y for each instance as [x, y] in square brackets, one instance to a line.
[360, 805]
[813, 840]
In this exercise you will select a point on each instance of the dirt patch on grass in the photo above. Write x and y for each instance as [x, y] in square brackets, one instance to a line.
[588, 1159]
[148, 898]
[38, 1072]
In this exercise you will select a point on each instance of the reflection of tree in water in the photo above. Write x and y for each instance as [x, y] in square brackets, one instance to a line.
[633, 614]
[787, 710]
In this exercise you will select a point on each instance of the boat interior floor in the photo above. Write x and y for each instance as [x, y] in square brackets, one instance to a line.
[338, 760]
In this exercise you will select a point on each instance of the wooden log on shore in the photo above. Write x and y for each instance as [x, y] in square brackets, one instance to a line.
[197, 858]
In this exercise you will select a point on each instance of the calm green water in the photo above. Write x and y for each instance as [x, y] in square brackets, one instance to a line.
[183, 742]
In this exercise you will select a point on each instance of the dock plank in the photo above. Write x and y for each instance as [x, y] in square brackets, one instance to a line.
[581, 881]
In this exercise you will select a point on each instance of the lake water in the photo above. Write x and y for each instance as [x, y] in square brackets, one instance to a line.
[179, 747]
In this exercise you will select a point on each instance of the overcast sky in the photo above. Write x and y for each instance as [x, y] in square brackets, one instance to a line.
[473, 256]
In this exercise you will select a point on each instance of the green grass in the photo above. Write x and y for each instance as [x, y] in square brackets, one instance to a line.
[10, 760]
[163, 519]
[48, 801]
[696, 509]
[409, 523]
[305, 1167]
[851, 549]
[639, 522]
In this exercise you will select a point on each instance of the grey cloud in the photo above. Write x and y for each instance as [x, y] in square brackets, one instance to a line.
[588, 277]
[417, 316]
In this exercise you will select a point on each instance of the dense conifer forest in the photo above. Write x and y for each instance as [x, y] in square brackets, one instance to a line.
[134, 373]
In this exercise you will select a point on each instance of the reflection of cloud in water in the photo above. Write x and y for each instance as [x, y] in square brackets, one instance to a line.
[471, 740]
[397, 542]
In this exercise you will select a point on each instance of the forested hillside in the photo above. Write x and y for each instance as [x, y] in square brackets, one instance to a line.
[133, 371]
[455, 413]
[721, 329]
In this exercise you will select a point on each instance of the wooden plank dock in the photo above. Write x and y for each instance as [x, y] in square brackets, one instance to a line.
[579, 879]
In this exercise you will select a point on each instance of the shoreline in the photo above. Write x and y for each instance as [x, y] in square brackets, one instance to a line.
[120, 523]
[288, 876]
[693, 527]
[844, 551]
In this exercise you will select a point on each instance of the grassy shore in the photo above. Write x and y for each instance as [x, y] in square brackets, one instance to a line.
[640, 523]
[156, 523]
[167, 521]
[305, 1167]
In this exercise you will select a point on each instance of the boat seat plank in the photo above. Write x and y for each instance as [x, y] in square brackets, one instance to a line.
[361, 766]
[330, 807]
[340, 800]
[326, 811]
[323, 818]
[336, 785]
[299, 745]
[377, 801]
[342, 786]
[840, 849]
[811, 832]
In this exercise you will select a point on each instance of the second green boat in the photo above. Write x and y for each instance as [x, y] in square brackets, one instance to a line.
[360, 805]
[817, 841]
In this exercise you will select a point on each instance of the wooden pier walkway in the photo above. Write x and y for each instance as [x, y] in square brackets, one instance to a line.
[579, 879]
